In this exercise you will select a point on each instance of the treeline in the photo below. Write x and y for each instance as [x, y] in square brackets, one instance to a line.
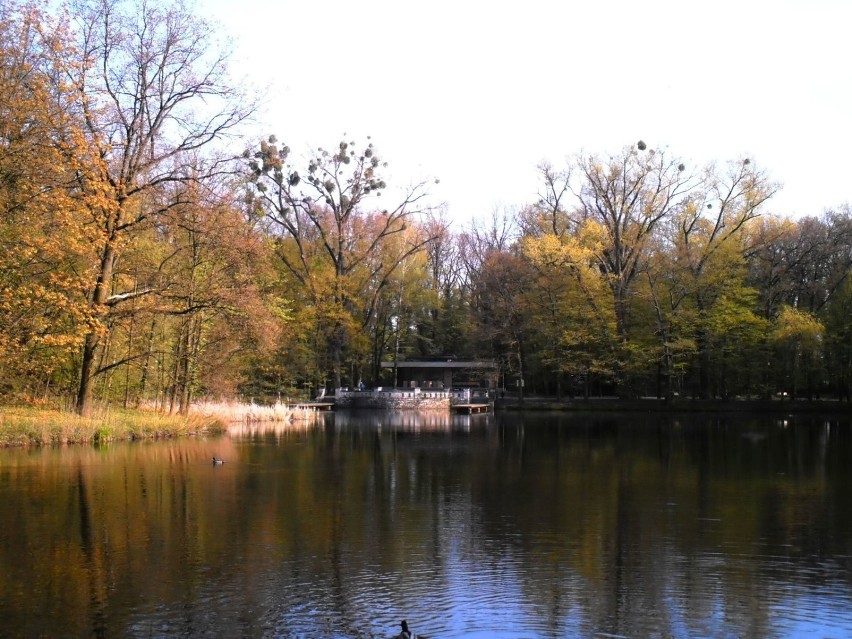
[151, 253]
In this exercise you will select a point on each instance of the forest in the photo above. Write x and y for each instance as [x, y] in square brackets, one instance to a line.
[154, 252]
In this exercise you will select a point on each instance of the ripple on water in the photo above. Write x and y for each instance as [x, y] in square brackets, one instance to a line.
[821, 611]
[517, 537]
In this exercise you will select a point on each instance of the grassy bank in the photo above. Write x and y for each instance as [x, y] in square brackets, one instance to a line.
[25, 426]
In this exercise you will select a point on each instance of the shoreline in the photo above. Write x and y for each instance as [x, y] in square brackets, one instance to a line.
[654, 405]
[25, 425]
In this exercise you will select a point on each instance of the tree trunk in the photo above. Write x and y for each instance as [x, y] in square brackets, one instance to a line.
[704, 389]
[174, 382]
[146, 367]
[92, 341]
[338, 338]
[185, 366]
[130, 338]
[522, 371]
[190, 366]
[84, 390]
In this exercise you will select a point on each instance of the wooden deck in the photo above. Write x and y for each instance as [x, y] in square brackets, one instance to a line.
[469, 409]
[314, 405]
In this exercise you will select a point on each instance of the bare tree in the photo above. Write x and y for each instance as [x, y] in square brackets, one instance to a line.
[628, 195]
[154, 95]
[482, 237]
[339, 240]
[550, 215]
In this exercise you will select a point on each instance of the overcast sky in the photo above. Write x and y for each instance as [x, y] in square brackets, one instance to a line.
[478, 93]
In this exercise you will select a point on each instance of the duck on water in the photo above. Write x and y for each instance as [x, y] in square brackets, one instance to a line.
[217, 460]
[406, 633]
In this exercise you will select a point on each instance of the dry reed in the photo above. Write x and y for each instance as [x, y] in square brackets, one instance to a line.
[232, 412]
[27, 426]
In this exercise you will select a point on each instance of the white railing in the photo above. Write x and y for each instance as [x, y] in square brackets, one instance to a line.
[461, 396]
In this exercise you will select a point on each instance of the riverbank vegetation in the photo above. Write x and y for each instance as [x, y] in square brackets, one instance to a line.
[39, 425]
[152, 252]
[27, 426]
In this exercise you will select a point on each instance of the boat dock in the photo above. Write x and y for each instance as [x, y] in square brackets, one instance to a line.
[318, 406]
[470, 409]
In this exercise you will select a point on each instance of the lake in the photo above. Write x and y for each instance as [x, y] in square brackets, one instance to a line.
[514, 525]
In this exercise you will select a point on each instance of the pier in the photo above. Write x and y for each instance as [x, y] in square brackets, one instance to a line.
[470, 409]
[319, 406]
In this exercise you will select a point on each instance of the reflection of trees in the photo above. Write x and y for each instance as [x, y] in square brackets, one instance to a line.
[591, 523]
[92, 525]
[645, 513]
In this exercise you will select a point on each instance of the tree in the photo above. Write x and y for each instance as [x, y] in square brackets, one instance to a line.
[801, 263]
[45, 244]
[153, 94]
[628, 195]
[402, 309]
[771, 243]
[502, 311]
[616, 202]
[551, 214]
[838, 340]
[215, 290]
[798, 340]
[442, 327]
[571, 305]
[734, 343]
[706, 239]
[336, 242]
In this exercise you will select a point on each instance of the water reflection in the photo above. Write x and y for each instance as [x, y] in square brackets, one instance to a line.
[499, 526]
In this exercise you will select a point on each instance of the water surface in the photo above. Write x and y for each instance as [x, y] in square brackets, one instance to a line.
[506, 526]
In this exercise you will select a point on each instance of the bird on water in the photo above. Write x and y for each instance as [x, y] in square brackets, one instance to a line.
[406, 633]
[216, 461]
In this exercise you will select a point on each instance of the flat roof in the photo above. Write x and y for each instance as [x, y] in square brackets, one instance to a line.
[439, 364]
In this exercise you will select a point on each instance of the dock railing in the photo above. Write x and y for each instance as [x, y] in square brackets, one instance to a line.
[345, 396]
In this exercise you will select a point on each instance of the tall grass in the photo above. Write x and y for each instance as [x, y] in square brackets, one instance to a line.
[32, 426]
[231, 412]
[26, 426]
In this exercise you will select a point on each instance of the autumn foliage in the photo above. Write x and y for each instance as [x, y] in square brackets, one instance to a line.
[153, 252]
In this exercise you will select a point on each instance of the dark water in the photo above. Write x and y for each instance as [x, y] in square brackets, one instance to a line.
[507, 526]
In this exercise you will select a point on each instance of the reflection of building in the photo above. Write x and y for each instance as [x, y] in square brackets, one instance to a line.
[445, 373]
[408, 420]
